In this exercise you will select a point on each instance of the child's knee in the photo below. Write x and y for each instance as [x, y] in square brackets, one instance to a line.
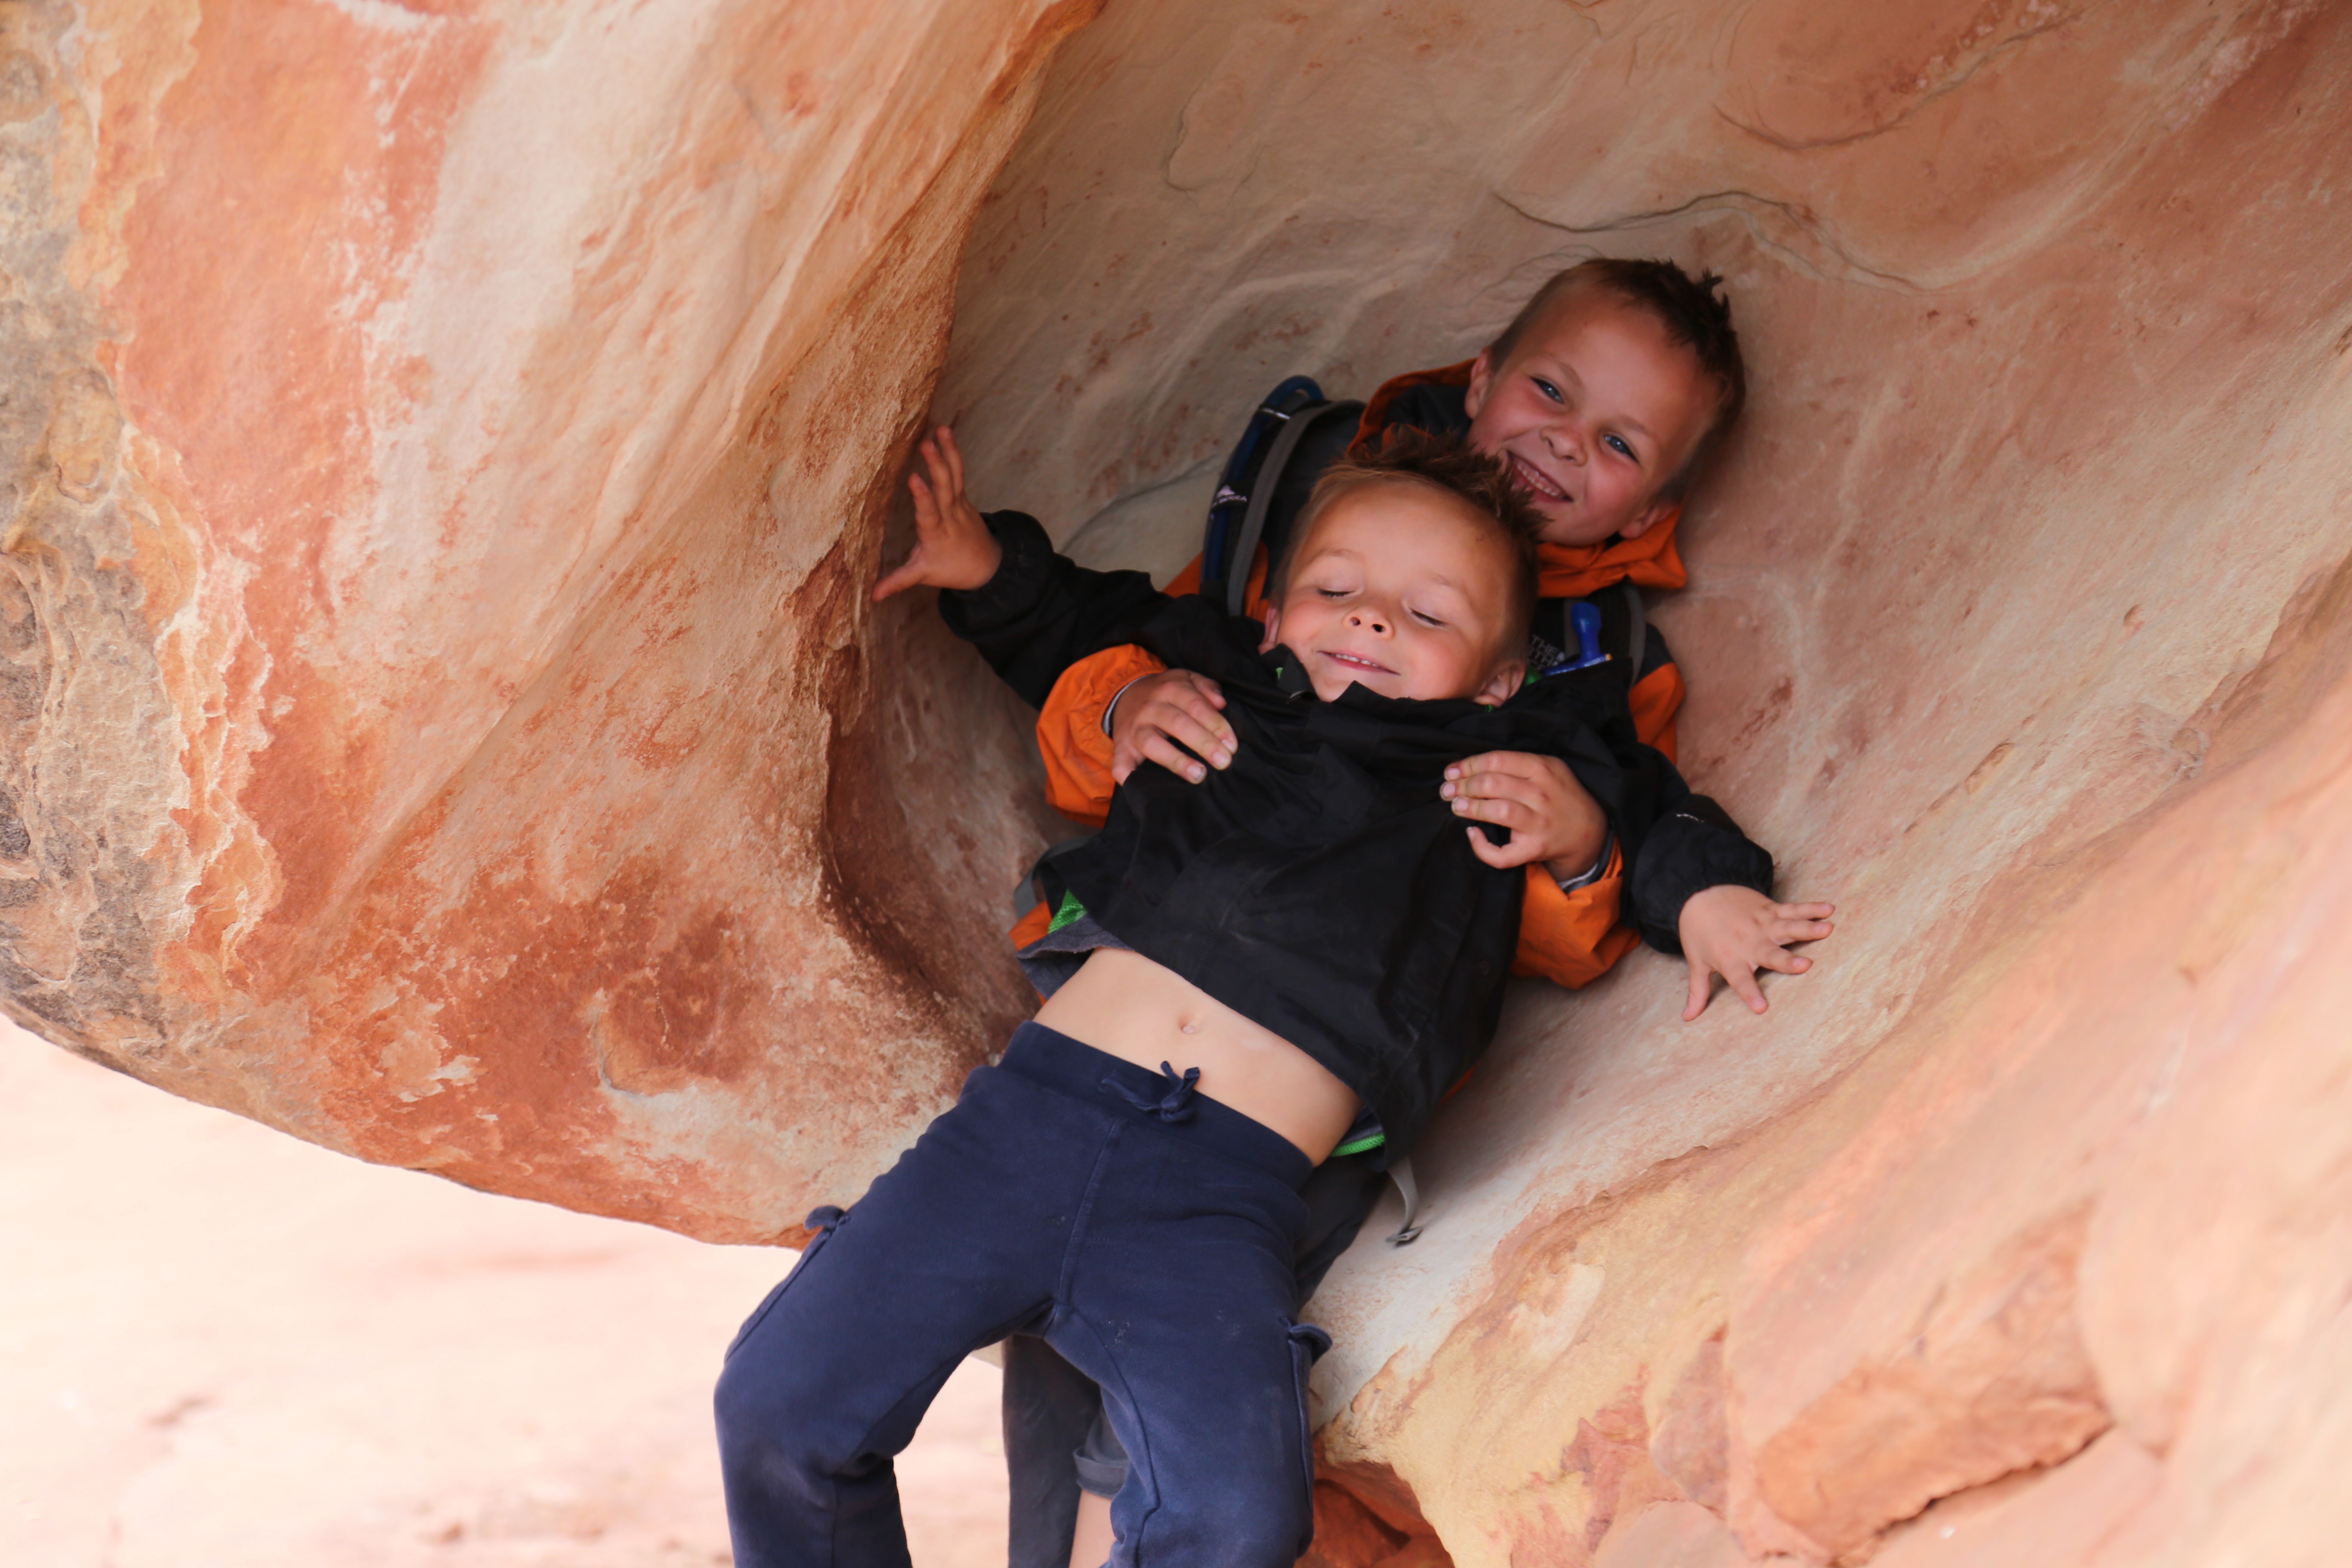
[776, 1411]
[1261, 1520]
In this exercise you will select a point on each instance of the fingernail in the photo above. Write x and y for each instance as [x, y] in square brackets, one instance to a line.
[1195, 774]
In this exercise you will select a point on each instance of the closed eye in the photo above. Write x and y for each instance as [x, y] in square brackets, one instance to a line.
[1426, 619]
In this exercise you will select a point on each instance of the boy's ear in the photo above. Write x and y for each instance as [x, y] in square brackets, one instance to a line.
[1660, 509]
[1482, 376]
[1273, 627]
[1508, 677]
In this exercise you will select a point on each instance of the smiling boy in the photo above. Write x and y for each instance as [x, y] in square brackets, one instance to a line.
[1312, 932]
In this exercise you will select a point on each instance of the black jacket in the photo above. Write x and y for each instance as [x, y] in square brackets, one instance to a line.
[1319, 886]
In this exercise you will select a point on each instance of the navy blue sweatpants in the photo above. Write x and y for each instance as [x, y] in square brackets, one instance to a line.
[1146, 1233]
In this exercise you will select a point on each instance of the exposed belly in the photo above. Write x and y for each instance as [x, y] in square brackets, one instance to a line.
[1130, 1007]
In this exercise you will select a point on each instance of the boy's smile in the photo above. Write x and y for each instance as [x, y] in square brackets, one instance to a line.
[1595, 411]
[1404, 590]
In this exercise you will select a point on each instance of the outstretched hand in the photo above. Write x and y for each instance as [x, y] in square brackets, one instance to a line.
[1159, 714]
[1735, 932]
[1550, 816]
[954, 548]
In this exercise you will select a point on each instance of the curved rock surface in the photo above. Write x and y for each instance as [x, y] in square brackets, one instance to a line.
[448, 444]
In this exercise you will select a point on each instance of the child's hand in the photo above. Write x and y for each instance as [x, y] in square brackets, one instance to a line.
[1160, 712]
[954, 548]
[1550, 816]
[1734, 932]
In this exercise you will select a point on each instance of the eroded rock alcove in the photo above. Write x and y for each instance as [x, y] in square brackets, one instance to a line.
[449, 444]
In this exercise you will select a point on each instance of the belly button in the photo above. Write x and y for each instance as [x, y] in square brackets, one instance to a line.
[1190, 1028]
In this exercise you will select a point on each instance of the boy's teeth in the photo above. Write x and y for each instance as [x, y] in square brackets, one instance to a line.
[1537, 482]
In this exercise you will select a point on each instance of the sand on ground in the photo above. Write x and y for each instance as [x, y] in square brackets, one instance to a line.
[223, 1348]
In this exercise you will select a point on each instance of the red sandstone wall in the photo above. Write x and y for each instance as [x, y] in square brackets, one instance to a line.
[449, 448]
[447, 444]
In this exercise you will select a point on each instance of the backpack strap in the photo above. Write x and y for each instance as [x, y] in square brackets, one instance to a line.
[1637, 634]
[1265, 486]
[1401, 1172]
[1239, 480]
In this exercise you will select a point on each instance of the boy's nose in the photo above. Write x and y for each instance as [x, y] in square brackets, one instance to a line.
[1370, 620]
[1566, 441]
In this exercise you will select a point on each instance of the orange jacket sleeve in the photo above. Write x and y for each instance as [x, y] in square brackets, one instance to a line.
[1070, 731]
[1571, 939]
[1657, 698]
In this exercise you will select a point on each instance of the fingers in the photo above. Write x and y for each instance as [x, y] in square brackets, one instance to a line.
[907, 576]
[1742, 979]
[1507, 764]
[1184, 707]
[1501, 857]
[1213, 745]
[1702, 986]
[1188, 716]
[951, 458]
[1501, 811]
[1214, 693]
[1491, 786]
[1781, 933]
[1159, 749]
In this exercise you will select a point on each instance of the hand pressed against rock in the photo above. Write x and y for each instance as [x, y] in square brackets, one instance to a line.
[954, 548]
[1734, 932]
[1157, 714]
[1550, 816]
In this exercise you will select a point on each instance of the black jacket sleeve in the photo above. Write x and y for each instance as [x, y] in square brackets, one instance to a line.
[1674, 843]
[1043, 612]
[1692, 845]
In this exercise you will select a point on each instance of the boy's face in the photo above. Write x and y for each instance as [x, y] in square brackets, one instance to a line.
[1402, 589]
[1595, 411]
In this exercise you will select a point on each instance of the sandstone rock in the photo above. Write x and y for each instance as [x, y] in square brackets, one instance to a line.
[448, 446]
[444, 720]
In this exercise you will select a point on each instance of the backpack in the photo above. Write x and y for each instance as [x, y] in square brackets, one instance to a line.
[1293, 434]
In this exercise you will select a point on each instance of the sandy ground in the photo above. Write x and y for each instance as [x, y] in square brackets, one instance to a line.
[223, 1348]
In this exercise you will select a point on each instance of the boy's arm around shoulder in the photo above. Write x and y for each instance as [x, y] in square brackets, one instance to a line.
[1074, 735]
[1572, 936]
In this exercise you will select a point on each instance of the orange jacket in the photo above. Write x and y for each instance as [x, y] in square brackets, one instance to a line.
[1569, 938]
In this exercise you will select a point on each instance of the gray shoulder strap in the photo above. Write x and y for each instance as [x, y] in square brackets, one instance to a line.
[1637, 634]
[1401, 1172]
[1261, 501]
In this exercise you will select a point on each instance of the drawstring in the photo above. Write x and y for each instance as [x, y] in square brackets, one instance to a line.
[1176, 1105]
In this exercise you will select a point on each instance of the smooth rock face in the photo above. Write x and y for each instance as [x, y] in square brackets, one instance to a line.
[449, 451]
[449, 446]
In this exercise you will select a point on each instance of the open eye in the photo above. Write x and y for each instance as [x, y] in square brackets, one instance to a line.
[1547, 388]
[1617, 443]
